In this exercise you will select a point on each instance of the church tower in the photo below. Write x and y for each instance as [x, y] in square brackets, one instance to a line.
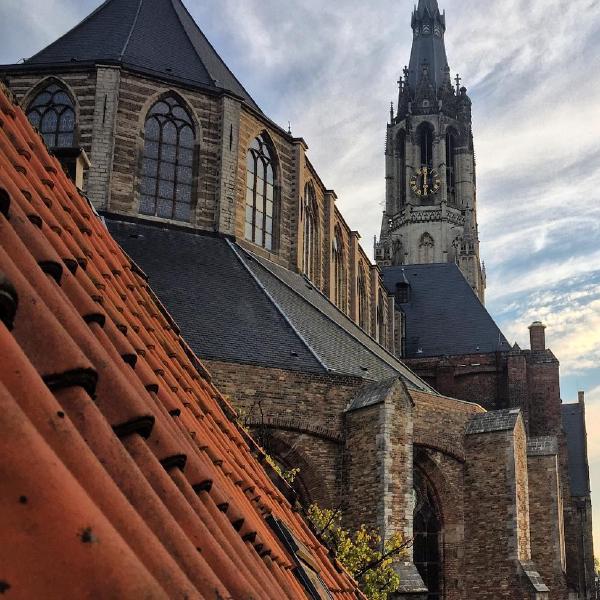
[431, 200]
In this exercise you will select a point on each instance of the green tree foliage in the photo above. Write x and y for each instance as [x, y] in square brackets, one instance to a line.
[363, 553]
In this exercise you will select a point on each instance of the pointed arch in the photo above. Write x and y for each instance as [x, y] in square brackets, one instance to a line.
[168, 162]
[52, 109]
[427, 534]
[401, 166]
[425, 133]
[363, 305]
[381, 328]
[451, 163]
[426, 249]
[339, 269]
[261, 192]
[310, 218]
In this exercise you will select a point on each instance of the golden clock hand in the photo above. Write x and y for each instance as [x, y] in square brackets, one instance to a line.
[425, 183]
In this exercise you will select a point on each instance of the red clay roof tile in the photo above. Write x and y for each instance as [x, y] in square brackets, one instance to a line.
[125, 474]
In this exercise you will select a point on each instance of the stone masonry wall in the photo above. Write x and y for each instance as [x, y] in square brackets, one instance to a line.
[497, 530]
[136, 96]
[546, 515]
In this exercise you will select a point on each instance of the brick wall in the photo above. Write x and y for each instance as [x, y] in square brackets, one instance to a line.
[546, 514]
[497, 528]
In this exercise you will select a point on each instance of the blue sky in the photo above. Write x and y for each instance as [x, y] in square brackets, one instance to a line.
[533, 73]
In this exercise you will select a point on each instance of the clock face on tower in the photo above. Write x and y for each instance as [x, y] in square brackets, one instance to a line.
[425, 182]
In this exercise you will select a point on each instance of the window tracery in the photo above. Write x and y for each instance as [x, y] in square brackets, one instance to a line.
[427, 532]
[311, 235]
[426, 249]
[339, 269]
[260, 193]
[52, 111]
[168, 161]
[425, 137]
[451, 166]
[363, 310]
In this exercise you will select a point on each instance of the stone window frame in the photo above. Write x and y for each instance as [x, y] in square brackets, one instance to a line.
[381, 323]
[426, 249]
[262, 154]
[400, 147]
[339, 269]
[41, 88]
[362, 298]
[451, 163]
[425, 138]
[309, 214]
[421, 480]
[188, 120]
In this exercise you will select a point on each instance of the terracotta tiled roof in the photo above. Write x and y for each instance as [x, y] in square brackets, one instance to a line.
[122, 474]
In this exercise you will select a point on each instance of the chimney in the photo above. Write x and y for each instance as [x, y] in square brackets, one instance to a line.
[537, 336]
[581, 396]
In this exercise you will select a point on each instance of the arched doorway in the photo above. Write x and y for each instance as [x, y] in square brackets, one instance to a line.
[427, 531]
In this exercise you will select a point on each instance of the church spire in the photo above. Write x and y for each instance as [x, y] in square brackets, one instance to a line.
[428, 49]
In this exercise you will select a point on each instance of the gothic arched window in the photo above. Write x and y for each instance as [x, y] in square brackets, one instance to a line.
[52, 111]
[425, 137]
[427, 533]
[310, 215]
[363, 307]
[426, 249]
[168, 161]
[451, 170]
[401, 165]
[260, 193]
[339, 270]
[380, 319]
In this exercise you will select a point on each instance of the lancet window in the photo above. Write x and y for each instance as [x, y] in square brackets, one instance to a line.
[425, 137]
[168, 161]
[451, 170]
[260, 193]
[310, 215]
[52, 111]
[339, 270]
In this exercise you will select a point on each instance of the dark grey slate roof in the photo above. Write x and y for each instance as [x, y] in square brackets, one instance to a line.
[223, 314]
[444, 316]
[428, 48]
[341, 345]
[232, 306]
[497, 420]
[157, 36]
[573, 417]
[372, 394]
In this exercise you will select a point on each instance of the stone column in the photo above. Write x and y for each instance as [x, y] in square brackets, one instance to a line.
[497, 541]
[379, 470]
[546, 514]
[230, 139]
[106, 104]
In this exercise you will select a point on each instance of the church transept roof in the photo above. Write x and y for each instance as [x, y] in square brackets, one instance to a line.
[159, 37]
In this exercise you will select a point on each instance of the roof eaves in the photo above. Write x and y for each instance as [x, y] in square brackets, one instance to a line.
[389, 359]
[276, 305]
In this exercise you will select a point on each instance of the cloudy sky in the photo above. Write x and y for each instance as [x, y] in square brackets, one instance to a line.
[533, 73]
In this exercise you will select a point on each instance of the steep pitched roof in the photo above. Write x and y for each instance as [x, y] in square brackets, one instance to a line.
[573, 418]
[256, 312]
[443, 316]
[428, 47]
[157, 36]
[123, 473]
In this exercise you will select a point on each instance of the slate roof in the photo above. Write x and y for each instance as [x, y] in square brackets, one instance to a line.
[255, 312]
[159, 37]
[123, 472]
[428, 48]
[573, 418]
[444, 316]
